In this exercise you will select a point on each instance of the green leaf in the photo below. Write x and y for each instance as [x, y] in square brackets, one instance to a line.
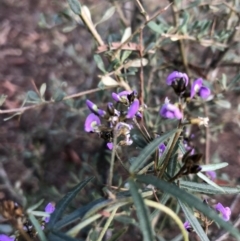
[207, 180]
[183, 26]
[59, 95]
[35, 206]
[125, 55]
[77, 214]
[142, 212]
[62, 236]
[75, 6]
[127, 33]
[148, 150]
[212, 167]
[191, 200]
[193, 221]
[207, 189]
[38, 227]
[63, 203]
[173, 161]
[108, 14]
[155, 27]
[99, 62]
[223, 103]
[43, 89]
[32, 95]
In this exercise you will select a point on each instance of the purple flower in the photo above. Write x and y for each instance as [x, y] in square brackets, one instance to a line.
[211, 174]
[133, 109]
[4, 237]
[49, 209]
[110, 145]
[122, 96]
[175, 75]
[94, 109]
[198, 88]
[161, 148]
[170, 111]
[188, 226]
[91, 123]
[224, 211]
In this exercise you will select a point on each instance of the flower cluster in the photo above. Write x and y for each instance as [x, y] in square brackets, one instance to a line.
[179, 82]
[116, 118]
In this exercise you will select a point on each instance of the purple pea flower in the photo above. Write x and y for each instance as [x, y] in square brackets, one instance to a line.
[211, 174]
[161, 148]
[225, 212]
[133, 109]
[198, 88]
[94, 109]
[4, 237]
[49, 209]
[170, 111]
[122, 96]
[175, 75]
[91, 123]
[110, 145]
[188, 226]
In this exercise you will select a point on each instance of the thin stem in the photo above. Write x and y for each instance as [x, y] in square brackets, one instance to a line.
[112, 160]
[120, 160]
[207, 137]
[140, 129]
[91, 28]
[107, 224]
[22, 109]
[181, 46]
[142, 10]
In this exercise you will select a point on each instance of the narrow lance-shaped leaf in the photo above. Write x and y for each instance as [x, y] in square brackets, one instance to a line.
[63, 203]
[193, 221]
[212, 167]
[148, 150]
[207, 189]
[207, 180]
[37, 226]
[191, 200]
[142, 212]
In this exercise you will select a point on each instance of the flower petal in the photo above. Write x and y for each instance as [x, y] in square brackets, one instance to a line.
[224, 211]
[204, 92]
[91, 122]
[133, 109]
[4, 237]
[170, 111]
[197, 84]
[177, 75]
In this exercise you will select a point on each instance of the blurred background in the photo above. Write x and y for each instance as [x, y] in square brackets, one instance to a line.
[44, 150]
